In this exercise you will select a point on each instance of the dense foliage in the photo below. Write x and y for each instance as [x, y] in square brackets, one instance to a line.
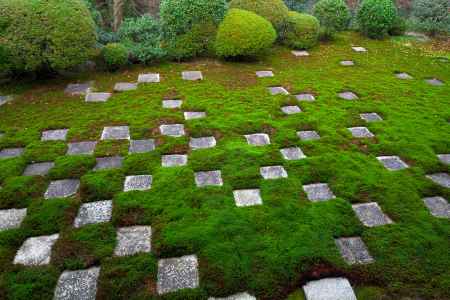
[333, 15]
[376, 17]
[301, 30]
[432, 16]
[115, 55]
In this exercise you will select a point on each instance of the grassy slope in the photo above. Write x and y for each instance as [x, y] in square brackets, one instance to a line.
[271, 249]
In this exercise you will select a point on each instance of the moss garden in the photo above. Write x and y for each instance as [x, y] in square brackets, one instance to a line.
[212, 149]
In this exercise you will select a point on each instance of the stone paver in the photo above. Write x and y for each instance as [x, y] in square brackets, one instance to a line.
[370, 214]
[442, 179]
[116, 133]
[12, 218]
[305, 97]
[174, 130]
[444, 158]
[359, 49]
[81, 148]
[36, 251]
[177, 273]
[133, 240]
[273, 172]
[137, 183]
[11, 153]
[105, 163]
[38, 169]
[293, 153]
[208, 178]
[171, 104]
[125, 86]
[297, 53]
[5, 99]
[192, 75]
[54, 135]
[202, 142]
[77, 285]
[262, 74]
[174, 160]
[62, 188]
[348, 96]
[141, 146]
[93, 213]
[291, 109]
[78, 89]
[329, 289]
[317, 192]
[247, 197]
[438, 206]
[191, 115]
[149, 78]
[403, 76]
[353, 250]
[361, 132]
[278, 90]
[240, 296]
[97, 97]
[434, 82]
[392, 163]
[347, 63]
[371, 117]
[258, 139]
[308, 135]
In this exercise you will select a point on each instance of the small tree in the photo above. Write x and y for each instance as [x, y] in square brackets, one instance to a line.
[432, 16]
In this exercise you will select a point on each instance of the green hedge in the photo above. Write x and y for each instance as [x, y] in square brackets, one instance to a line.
[333, 15]
[275, 11]
[376, 17]
[301, 31]
[115, 55]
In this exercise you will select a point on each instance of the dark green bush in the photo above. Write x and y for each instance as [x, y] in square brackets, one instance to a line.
[333, 15]
[301, 31]
[115, 55]
[243, 33]
[398, 27]
[432, 16]
[376, 17]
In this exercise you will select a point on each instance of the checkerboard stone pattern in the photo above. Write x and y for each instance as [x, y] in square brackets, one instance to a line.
[38, 169]
[54, 135]
[361, 132]
[173, 130]
[149, 78]
[192, 115]
[192, 75]
[273, 172]
[371, 117]
[81, 148]
[11, 153]
[263, 74]
[291, 109]
[444, 158]
[141, 146]
[370, 214]
[208, 178]
[93, 213]
[177, 273]
[97, 97]
[438, 206]
[278, 90]
[171, 104]
[78, 89]
[403, 76]
[347, 63]
[240, 296]
[116, 133]
[247, 197]
[434, 82]
[392, 163]
[308, 135]
[297, 53]
[36, 251]
[348, 95]
[293, 153]
[202, 143]
[105, 163]
[174, 160]
[442, 179]
[359, 49]
[125, 86]
[138, 183]
[317, 192]
[133, 240]
[77, 285]
[353, 250]
[305, 97]
[62, 188]
[12, 218]
[258, 139]
[329, 289]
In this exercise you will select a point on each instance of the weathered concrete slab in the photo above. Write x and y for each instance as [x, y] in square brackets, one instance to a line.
[191, 115]
[297, 53]
[370, 214]
[116, 133]
[403, 76]
[11, 218]
[62, 188]
[138, 183]
[240, 296]
[192, 75]
[77, 285]
[438, 206]
[11, 153]
[174, 160]
[174, 130]
[444, 158]
[141, 146]
[81, 148]
[36, 251]
[317, 192]
[353, 250]
[434, 82]
[133, 240]
[149, 78]
[208, 178]
[93, 213]
[347, 95]
[442, 179]
[347, 63]
[202, 142]
[258, 139]
[305, 97]
[105, 163]
[371, 117]
[38, 169]
[392, 163]
[171, 104]
[308, 135]
[177, 273]
[278, 90]
[291, 109]
[54, 135]
[263, 74]
[273, 172]
[329, 289]
[97, 97]
[361, 132]
[293, 153]
[78, 89]
[247, 197]
[125, 86]
[359, 49]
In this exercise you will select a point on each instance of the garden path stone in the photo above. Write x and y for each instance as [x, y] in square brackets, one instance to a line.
[403, 76]
[392, 163]
[138, 183]
[308, 135]
[191, 115]
[240, 296]
[273, 172]
[125, 86]
[172, 103]
[361, 132]
[177, 273]
[54, 135]
[348, 96]
[202, 142]
[77, 285]
[293, 153]
[133, 240]
[291, 109]
[141, 146]
[38, 169]
[93, 213]
[317, 192]
[208, 178]
[11, 218]
[247, 197]
[116, 133]
[5, 99]
[347, 63]
[149, 78]
[105, 163]
[78, 89]
[329, 289]
[278, 90]
[174, 160]
[438, 206]
[444, 158]
[81, 148]
[62, 188]
[97, 97]
[11, 153]
[258, 139]
[359, 49]
[174, 130]
[442, 179]
[192, 75]
[297, 53]
[370, 214]
[434, 82]
[36, 251]
[305, 97]
[371, 117]
[353, 250]
[263, 74]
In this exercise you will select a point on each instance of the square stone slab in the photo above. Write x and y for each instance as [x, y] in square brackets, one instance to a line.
[370, 214]
[77, 285]
[442, 179]
[125, 86]
[273, 172]
[329, 289]
[361, 132]
[258, 139]
[278, 90]
[81, 148]
[191, 115]
[54, 135]
[174, 130]
[78, 89]
[317, 192]
[308, 135]
[348, 96]
[305, 97]
[104, 163]
[93, 213]
[297, 53]
[36, 251]
[133, 240]
[371, 117]
[359, 49]
[240, 296]
[38, 169]
[11, 218]
[177, 273]
[174, 160]
[138, 183]
[291, 109]
[293, 153]
[172, 103]
[62, 188]
[262, 74]
[116, 133]
[444, 158]
[202, 142]
[403, 76]
[247, 197]
[149, 78]
[438, 206]
[141, 146]
[434, 81]
[353, 250]
[192, 75]
[5, 99]
[97, 97]
[208, 178]
[11, 153]
[392, 163]
[347, 63]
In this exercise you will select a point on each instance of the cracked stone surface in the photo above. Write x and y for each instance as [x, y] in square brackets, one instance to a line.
[348, 96]
[174, 160]
[192, 75]
[202, 142]
[434, 82]
[12, 218]
[133, 240]
[54, 135]
[81, 148]
[62, 188]
[308, 135]
[38, 169]
[240, 296]
[116, 133]
[291, 109]
[297, 53]
[442, 179]
[403, 76]
[97, 97]
[191, 115]
[444, 158]
[247, 197]
[125, 86]
[370, 214]
[141, 146]
[78, 89]
[438, 206]
[305, 97]
[149, 78]
[171, 104]
[277, 90]
[258, 139]
[359, 49]
[317, 192]
[293, 153]
[273, 172]
[353, 250]
[93, 213]
[177, 273]
[11, 153]
[36, 251]
[77, 285]
[263, 74]
[138, 183]
[104, 163]
[392, 163]
[361, 132]
[347, 63]
[371, 117]
[174, 130]
[329, 289]
[208, 178]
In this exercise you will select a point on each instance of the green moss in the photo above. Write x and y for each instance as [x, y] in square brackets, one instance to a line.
[11, 167]
[71, 166]
[18, 192]
[44, 151]
[101, 185]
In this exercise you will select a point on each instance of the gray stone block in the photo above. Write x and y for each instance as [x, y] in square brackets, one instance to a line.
[291, 109]
[125, 86]
[248, 197]
[305, 97]
[192, 75]
[11, 153]
[36, 251]
[403, 76]
[97, 97]
[308, 135]
[174, 160]
[11, 218]
[93, 213]
[133, 240]
[6, 99]
[191, 115]
[174, 130]
[348, 96]
[347, 63]
[370, 214]
[361, 132]
[444, 158]
[62, 188]
[442, 179]
[38, 169]
[359, 49]
[172, 103]
[329, 289]
[278, 90]
[317, 192]
[293, 153]
[177, 273]
[54, 135]
[78, 89]
[141, 146]
[438, 206]
[273, 172]
[138, 183]
[116, 133]
[202, 143]
[209, 178]
[105, 163]
[434, 82]
[371, 117]
[149, 78]
[240, 296]
[77, 285]
[353, 250]
[258, 139]
[297, 53]
[263, 74]
[81, 148]
[392, 163]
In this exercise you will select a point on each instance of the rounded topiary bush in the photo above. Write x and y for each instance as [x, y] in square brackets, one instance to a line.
[333, 15]
[275, 11]
[432, 16]
[115, 55]
[301, 31]
[45, 35]
[376, 17]
[243, 33]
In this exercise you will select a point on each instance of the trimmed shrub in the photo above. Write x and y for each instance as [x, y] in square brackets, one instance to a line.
[333, 15]
[243, 33]
[432, 16]
[301, 31]
[376, 17]
[115, 55]
[398, 27]
[45, 35]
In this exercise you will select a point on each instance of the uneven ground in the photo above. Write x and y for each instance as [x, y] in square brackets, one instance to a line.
[269, 250]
